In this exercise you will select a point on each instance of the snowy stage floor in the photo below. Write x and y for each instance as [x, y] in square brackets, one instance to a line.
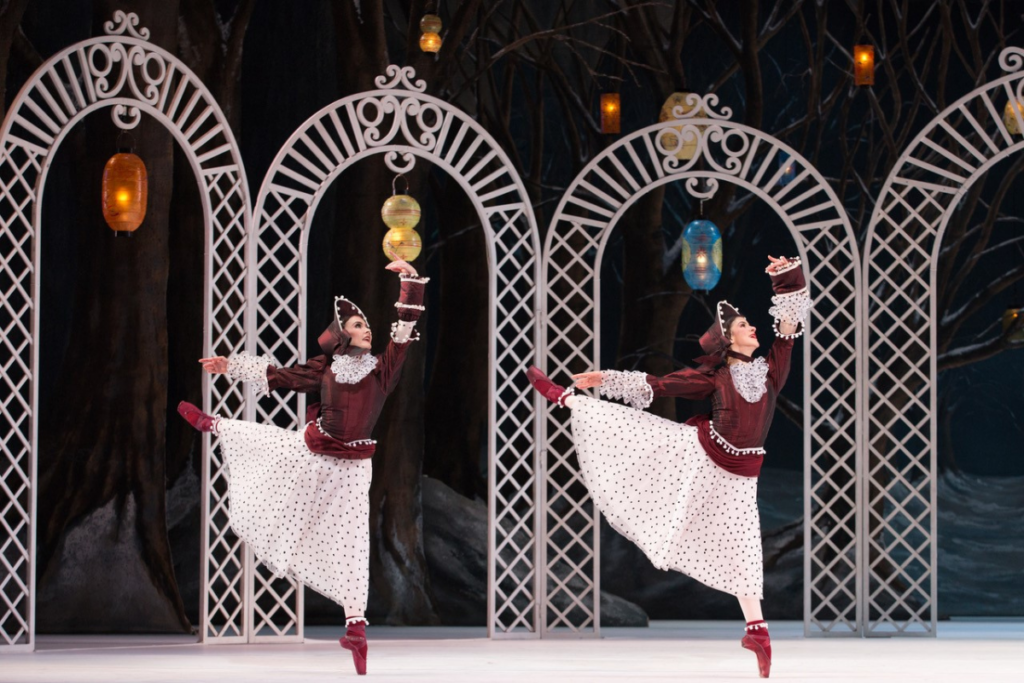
[979, 652]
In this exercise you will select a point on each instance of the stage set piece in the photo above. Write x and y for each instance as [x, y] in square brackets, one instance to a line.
[125, 73]
[399, 123]
[899, 592]
[702, 147]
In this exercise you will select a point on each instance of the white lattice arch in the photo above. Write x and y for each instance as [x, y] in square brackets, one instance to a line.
[124, 72]
[899, 591]
[580, 230]
[401, 123]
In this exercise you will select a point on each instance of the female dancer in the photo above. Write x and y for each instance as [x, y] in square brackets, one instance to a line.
[687, 494]
[300, 500]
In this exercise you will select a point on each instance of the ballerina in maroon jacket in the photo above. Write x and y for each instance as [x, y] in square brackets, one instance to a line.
[686, 494]
[300, 499]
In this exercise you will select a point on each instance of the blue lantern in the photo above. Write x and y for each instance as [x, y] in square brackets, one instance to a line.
[702, 254]
[788, 164]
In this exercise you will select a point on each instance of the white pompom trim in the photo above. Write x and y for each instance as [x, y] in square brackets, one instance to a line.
[728, 447]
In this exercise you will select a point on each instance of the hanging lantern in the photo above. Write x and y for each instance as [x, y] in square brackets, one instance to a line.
[668, 139]
[430, 25]
[611, 113]
[1012, 120]
[401, 213]
[702, 254]
[864, 64]
[125, 192]
[788, 165]
[1011, 317]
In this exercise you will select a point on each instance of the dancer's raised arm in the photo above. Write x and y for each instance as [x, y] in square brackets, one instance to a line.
[792, 301]
[410, 308]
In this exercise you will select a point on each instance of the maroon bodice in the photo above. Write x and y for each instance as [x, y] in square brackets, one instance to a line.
[734, 433]
[341, 423]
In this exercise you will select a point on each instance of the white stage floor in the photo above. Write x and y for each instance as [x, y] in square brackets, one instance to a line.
[979, 652]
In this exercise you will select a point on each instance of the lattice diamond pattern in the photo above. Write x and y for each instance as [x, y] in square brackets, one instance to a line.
[411, 124]
[582, 224]
[62, 89]
[899, 591]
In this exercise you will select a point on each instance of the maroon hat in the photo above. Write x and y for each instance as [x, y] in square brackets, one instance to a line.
[334, 340]
[343, 308]
[716, 339]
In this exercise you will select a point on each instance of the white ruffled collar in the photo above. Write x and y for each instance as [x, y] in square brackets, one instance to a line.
[352, 369]
[750, 379]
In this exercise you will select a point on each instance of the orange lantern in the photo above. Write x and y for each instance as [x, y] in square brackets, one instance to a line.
[611, 113]
[864, 64]
[125, 192]
[430, 25]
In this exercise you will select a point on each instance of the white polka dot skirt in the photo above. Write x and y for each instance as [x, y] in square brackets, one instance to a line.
[303, 515]
[656, 486]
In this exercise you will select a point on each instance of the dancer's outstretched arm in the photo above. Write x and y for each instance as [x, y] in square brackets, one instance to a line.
[265, 376]
[410, 308]
[639, 389]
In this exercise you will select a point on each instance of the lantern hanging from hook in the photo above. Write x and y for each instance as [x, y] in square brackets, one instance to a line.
[125, 188]
[401, 213]
[702, 253]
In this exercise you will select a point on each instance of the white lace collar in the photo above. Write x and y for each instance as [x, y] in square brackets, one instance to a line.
[352, 369]
[750, 379]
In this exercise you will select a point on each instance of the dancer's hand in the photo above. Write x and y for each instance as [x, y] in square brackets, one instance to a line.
[586, 380]
[400, 266]
[218, 365]
[776, 263]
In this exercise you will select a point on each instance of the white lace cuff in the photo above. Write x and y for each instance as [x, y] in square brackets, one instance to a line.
[630, 387]
[401, 331]
[413, 278]
[252, 369]
[791, 308]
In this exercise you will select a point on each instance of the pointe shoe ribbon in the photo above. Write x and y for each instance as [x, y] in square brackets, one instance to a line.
[355, 641]
[197, 418]
[548, 389]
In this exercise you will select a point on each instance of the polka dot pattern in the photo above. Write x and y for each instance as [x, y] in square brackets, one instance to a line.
[656, 486]
[304, 515]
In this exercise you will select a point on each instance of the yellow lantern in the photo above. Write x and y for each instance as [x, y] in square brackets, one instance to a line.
[668, 140]
[864, 64]
[401, 213]
[1010, 119]
[430, 25]
[125, 192]
[611, 113]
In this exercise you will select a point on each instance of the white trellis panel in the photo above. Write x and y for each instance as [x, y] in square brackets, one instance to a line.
[586, 216]
[918, 199]
[401, 123]
[124, 72]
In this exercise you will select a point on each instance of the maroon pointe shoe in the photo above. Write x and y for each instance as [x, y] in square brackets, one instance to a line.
[546, 387]
[196, 417]
[355, 640]
[759, 642]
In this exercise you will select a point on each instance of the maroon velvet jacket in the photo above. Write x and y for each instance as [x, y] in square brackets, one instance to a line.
[741, 425]
[347, 412]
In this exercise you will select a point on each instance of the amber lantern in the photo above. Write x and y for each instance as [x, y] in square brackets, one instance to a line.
[1012, 120]
[401, 213]
[611, 113]
[864, 64]
[430, 25]
[125, 191]
[1011, 319]
[669, 141]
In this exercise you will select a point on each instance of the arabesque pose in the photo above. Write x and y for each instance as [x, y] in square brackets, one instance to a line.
[686, 494]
